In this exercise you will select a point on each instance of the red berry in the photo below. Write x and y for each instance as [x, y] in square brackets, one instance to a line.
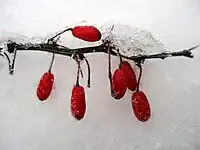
[141, 107]
[78, 105]
[130, 75]
[45, 86]
[86, 33]
[119, 83]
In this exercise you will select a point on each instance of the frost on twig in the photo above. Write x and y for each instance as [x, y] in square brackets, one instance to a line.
[132, 43]
[131, 40]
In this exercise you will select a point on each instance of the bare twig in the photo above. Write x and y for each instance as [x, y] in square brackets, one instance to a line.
[103, 48]
[185, 53]
[65, 30]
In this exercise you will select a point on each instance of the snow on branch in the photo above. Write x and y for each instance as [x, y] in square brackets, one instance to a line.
[92, 34]
[65, 51]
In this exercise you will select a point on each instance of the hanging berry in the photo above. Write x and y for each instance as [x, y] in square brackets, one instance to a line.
[130, 75]
[119, 83]
[141, 106]
[45, 86]
[46, 83]
[86, 33]
[140, 103]
[78, 104]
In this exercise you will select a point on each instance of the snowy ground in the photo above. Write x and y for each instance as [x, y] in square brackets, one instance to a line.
[172, 86]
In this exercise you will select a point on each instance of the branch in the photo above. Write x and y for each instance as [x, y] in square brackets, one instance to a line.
[55, 48]
[185, 53]
[62, 50]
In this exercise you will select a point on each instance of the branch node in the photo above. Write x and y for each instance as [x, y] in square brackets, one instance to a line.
[187, 53]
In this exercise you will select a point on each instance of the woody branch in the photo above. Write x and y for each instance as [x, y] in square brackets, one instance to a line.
[65, 51]
[86, 33]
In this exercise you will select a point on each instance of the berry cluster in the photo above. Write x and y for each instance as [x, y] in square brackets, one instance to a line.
[123, 79]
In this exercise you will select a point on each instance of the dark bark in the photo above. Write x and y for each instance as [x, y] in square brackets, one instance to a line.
[55, 48]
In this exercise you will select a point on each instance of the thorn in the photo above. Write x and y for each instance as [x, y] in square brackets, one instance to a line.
[194, 47]
[112, 27]
[2, 55]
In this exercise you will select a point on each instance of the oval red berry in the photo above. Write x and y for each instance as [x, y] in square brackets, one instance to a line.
[141, 106]
[45, 86]
[78, 105]
[119, 83]
[130, 75]
[86, 33]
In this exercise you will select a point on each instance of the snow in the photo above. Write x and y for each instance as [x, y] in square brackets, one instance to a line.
[131, 40]
[172, 86]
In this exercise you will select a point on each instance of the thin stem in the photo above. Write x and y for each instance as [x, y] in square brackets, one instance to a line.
[78, 71]
[88, 66]
[110, 74]
[81, 72]
[78, 59]
[140, 75]
[13, 62]
[51, 64]
[8, 59]
[120, 58]
[68, 29]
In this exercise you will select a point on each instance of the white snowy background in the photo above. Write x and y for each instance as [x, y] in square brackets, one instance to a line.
[172, 86]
